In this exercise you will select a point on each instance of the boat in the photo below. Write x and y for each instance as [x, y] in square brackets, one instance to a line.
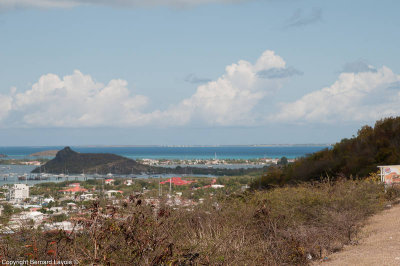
[23, 177]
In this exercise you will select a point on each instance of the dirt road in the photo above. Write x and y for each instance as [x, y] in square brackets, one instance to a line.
[379, 242]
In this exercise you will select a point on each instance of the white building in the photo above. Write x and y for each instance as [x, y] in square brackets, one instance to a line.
[128, 182]
[71, 206]
[87, 197]
[112, 193]
[22, 219]
[48, 200]
[66, 226]
[18, 192]
[56, 210]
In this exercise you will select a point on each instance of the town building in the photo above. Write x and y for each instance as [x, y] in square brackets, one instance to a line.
[128, 182]
[48, 200]
[112, 193]
[18, 192]
[87, 197]
[109, 181]
[37, 163]
[74, 188]
[177, 181]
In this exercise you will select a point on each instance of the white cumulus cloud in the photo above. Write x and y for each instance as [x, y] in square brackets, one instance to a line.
[231, 99]
[359, 96]
[6, 105]
[77, 100]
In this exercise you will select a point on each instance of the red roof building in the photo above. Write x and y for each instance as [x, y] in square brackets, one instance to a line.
[74, 190]
[109, 181]
[177, 181]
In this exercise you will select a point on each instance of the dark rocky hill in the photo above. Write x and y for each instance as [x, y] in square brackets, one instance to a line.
[72, 162]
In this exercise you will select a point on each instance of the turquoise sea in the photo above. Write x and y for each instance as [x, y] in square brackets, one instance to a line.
[9, 173]
[164, 152]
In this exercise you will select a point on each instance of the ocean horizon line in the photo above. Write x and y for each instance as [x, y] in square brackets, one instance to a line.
[178, 146]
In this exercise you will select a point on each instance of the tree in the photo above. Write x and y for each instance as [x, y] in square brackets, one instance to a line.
[283, 161]
[357, 156]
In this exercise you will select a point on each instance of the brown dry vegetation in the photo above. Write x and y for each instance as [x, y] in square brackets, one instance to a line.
[282, 226]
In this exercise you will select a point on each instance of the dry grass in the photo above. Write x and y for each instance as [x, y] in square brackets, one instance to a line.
[281, 226]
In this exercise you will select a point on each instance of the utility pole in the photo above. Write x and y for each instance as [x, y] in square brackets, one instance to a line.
[103, 189]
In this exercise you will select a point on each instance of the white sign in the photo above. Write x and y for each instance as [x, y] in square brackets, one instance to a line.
[390, 174]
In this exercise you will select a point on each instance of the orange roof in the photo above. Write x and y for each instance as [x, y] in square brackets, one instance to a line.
[177, 181]
[74, 189]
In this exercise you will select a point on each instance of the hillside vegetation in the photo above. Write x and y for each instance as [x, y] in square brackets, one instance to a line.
[283, 226]
[354, 157]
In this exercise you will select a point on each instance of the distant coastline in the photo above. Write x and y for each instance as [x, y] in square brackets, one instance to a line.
[178, 146]
[236, 152]
[44, 153]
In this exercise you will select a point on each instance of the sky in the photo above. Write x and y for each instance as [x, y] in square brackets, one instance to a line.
[195, 72]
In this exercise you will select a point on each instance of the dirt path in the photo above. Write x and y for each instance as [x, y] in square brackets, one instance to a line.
[379, 242]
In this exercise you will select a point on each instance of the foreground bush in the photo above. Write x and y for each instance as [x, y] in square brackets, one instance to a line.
[288, 225]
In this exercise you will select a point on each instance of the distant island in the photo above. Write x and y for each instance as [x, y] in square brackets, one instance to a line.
[48, 153]
[209, 145]
[68, 161]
